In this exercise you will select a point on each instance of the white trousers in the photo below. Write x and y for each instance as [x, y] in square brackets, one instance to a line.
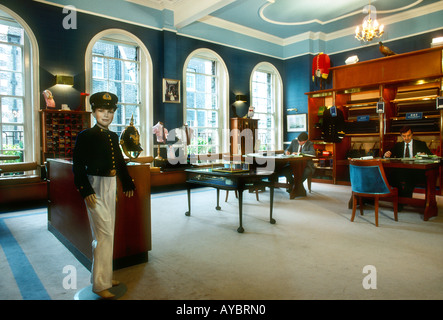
[102, 221]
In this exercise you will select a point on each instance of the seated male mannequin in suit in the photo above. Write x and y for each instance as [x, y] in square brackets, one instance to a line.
[406, 179]
[300, 145]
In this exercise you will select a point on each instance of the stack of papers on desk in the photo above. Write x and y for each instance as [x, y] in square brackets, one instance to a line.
[364, 158]
[227, 170]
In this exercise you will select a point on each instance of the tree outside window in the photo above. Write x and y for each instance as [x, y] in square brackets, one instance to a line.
[202, 105]
[263, 100]
[12, 125]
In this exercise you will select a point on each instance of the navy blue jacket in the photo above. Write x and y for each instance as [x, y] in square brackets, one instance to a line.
[417, 146]
[97, 152]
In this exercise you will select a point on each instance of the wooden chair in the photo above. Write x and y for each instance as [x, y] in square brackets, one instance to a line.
[259, 189]
[22, 182]
[368, 180]
[256, 190]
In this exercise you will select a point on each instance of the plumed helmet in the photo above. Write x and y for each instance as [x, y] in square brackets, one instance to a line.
[130, 141]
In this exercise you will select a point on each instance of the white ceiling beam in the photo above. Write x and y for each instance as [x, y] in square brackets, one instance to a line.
[189, 11]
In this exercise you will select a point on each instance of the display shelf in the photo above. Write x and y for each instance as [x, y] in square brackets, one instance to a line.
[424, 98]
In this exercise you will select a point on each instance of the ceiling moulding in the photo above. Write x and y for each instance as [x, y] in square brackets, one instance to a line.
[253, 33]
[189, 11]
[389, 20]
[305, 36]
[260, 52]
[227, 25]
[148, 24]
[220, 23]
[298, 23]
[156, 4]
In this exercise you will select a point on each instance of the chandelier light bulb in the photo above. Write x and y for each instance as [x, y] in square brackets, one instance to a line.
[370, 29]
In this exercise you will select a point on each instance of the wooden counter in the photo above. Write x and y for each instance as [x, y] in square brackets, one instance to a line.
[68, 218]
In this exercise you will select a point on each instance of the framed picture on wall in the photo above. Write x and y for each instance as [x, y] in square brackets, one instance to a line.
[171, 90]
[297, 122]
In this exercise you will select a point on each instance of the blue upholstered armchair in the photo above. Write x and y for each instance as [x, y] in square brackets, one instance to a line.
[368, 180]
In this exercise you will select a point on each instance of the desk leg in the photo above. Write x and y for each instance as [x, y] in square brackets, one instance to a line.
[431, 209]
[271, 220]
[218, 200]
[240, 210]
[188, 213]
[298, 190]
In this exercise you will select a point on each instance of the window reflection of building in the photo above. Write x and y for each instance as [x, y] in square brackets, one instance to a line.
[118, 61]
[116, 68]
[264, 97]
[203, 109]
[12, 79]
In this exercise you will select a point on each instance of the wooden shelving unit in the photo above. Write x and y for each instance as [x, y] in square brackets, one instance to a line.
[405, 90]
[59, 129]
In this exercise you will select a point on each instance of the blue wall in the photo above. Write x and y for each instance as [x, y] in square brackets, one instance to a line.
[62, 52]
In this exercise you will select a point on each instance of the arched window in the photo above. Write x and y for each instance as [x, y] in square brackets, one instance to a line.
[18, 88]
[266, 97]
[206, 102]
[118, 62]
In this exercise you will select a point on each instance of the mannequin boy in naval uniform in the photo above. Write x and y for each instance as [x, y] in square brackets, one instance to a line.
[97, 160]
[299, 145]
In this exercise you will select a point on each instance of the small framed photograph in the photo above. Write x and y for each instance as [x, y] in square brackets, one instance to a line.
[297, 122]
[171, 91]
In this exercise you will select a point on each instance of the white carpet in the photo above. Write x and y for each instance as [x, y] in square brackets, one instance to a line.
[312, 252]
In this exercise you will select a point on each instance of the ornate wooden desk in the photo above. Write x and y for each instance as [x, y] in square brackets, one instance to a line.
[277, 162]
[229, 181]
[430, 169]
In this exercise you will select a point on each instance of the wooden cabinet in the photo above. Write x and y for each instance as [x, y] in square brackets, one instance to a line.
[408, 85]
[243, 131]
[323, 162]
[59, 129]
[68, 217]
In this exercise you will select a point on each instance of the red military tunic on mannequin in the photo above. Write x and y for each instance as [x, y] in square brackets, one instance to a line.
[320, 66]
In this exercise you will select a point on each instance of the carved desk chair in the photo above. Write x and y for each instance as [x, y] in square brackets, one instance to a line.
[368, 180]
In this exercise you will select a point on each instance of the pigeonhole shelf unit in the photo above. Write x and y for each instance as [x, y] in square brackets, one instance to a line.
[59, 131]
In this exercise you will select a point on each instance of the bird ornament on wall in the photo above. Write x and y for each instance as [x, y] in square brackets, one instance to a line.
[385, 50]
[250, 113]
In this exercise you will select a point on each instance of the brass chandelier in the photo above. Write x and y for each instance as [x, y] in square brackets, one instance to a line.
[370, 29]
